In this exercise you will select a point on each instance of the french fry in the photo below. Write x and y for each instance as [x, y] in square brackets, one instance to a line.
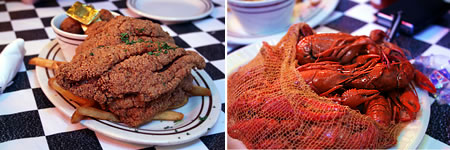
[168, 115]
[199, 91]
[80, 101]
[76, 117]
[95, 113]
[45, 62]
[85, 108]
[184, 102]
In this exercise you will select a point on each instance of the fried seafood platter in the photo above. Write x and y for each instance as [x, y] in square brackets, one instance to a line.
[129, 71]
[327, 90]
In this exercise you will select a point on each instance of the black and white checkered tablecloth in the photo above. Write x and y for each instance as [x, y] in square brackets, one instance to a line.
[357, 17]
[25, 112]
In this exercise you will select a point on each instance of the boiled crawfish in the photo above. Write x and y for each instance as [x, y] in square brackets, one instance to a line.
[352, 70]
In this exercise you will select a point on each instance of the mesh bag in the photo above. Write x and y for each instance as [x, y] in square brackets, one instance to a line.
[270, 106]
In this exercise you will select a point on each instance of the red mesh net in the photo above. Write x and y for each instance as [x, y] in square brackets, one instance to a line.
[271, 106]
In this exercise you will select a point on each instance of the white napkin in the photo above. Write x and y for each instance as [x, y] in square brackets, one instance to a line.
[10, 60]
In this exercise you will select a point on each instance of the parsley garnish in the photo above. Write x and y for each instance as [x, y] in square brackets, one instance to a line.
[202, 118]
[140, 30]
[150, 53]
[159, 46]
[125, 50]
[176, 130]
[100, 46]
[130, 42]
[124, 37]
[92, 54]
[167, 127]
[140, 40]
[157, 54]
[165, 46]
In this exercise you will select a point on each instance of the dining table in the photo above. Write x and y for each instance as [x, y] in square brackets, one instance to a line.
[28, 120]
[357, 17]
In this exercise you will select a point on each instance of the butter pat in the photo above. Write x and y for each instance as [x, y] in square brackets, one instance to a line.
[85, 14]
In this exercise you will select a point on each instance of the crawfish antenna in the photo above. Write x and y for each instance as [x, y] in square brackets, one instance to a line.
[392, 31]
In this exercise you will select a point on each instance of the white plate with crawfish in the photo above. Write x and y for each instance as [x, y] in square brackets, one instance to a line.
[155, 132]
[410, 136]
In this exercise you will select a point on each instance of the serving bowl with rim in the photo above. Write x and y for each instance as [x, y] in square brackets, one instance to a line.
[68, 41]
[263, 17]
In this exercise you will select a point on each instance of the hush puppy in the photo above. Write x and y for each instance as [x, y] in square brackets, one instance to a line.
[71, 25]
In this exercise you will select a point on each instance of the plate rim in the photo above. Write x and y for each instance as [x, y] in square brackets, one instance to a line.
[208, 3]
[244, 41]
[248, 52]
[134, 137]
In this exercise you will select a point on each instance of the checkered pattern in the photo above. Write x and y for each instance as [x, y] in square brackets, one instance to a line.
[26, 113]
[357, 17]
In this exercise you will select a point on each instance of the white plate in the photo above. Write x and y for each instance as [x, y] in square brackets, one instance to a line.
[154, 133]
[313, 16]
[409, 138]
[171, 10]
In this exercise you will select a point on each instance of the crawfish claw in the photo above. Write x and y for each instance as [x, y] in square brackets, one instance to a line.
[355, 97]
[423, 82]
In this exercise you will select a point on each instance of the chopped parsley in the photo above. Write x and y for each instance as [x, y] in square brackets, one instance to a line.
[92, 54]
[130, 42]
[162, 48]
[202, 118]
[100, 46]
[140, 40]
[125, 50]
[140, 30]
[167, 127]
[165, 46]
[176, 130]
[124, 37]
[164, 83]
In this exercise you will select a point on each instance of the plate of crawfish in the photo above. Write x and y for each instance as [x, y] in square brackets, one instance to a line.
[365, 73]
